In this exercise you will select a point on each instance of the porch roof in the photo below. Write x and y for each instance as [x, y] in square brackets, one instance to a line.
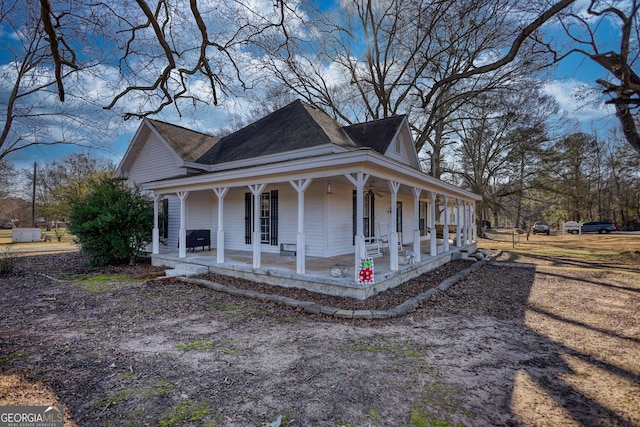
[323, 166]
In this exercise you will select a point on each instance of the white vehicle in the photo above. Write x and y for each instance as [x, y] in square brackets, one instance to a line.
[572, 227]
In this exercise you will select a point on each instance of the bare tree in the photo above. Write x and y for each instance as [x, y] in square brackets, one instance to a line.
[33, 116]
[7, 174]
[75, 59]
[164, 47]
[375, 59]
[502, 134]
[618, 60]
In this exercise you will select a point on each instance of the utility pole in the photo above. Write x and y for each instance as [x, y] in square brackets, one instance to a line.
[33, 196]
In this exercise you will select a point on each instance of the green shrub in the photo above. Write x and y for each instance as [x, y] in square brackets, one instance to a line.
[112, 223]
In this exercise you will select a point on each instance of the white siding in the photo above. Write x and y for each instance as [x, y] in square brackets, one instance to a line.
[314, 220]
[202, 212]
[392, 152]
[155, 161]
[287, 218]
[174, 222]
[339, 215]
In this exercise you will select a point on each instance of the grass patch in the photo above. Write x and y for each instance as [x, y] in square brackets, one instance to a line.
[421, 418]
[98, 283]
[197, 345]
[5, 359]
[160, 388]
[609, 248]
[436, 407]
[188, 411]
[407, 350]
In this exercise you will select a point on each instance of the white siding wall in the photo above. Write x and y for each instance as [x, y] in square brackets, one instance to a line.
[202, 211]
[339, 219]
[155, 161]
[314, 218]
[174, 222]
[402, 154]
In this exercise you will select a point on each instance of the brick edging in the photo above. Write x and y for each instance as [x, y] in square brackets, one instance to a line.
[313, 308]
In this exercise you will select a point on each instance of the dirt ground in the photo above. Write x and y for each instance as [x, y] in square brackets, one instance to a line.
[546, 342]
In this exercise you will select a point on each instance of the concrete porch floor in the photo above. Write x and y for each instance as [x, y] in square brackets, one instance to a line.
[280, 270]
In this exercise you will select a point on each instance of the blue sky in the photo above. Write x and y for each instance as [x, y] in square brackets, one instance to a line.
[574, 71]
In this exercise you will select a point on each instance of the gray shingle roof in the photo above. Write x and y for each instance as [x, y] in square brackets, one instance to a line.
[293, 127]
[189, 145]
[376, 134]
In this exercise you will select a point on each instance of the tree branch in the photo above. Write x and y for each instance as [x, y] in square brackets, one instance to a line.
[510, 56]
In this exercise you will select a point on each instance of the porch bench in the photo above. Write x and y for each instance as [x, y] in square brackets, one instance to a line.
[197, 238]
[288, 249]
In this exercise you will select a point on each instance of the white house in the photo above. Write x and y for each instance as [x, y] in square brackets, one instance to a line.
[295, 191]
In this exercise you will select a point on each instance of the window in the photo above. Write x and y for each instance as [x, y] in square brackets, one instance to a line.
[268, 217]
[265, 218]
[368, 214]
[423, 218]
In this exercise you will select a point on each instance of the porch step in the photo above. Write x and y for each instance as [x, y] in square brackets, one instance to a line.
[184, 269]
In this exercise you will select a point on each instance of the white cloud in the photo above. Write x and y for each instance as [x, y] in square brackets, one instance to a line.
[578, 100]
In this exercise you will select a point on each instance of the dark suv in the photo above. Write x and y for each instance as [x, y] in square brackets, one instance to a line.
[598, 226]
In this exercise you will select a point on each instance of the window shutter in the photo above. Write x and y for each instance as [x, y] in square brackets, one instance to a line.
[165, 218]
[247, 218]
[372, 216]
[274, 218]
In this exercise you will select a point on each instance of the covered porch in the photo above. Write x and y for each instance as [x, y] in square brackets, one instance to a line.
[281, 270]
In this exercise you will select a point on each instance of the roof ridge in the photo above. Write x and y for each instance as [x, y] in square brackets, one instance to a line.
[181, 127]
[306, 107]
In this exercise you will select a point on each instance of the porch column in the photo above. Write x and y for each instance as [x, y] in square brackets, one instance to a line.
[359, 182]
[256, 190]
[300, 186]
[469, 223]
[220, 193]
[433, 244]
[155, 235]
[445, 230]
[465, 228]
[474, 228]
[416, 221]
[182, 234]
[393, 238]
[458, 223]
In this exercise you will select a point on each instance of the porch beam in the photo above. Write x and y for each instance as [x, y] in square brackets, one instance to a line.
[256, 190]
[416, 221]
[182, 234]
[433, 244]
[394, 186]
[220, 193]
[445, 230]
[300, 186]
[155, 235]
